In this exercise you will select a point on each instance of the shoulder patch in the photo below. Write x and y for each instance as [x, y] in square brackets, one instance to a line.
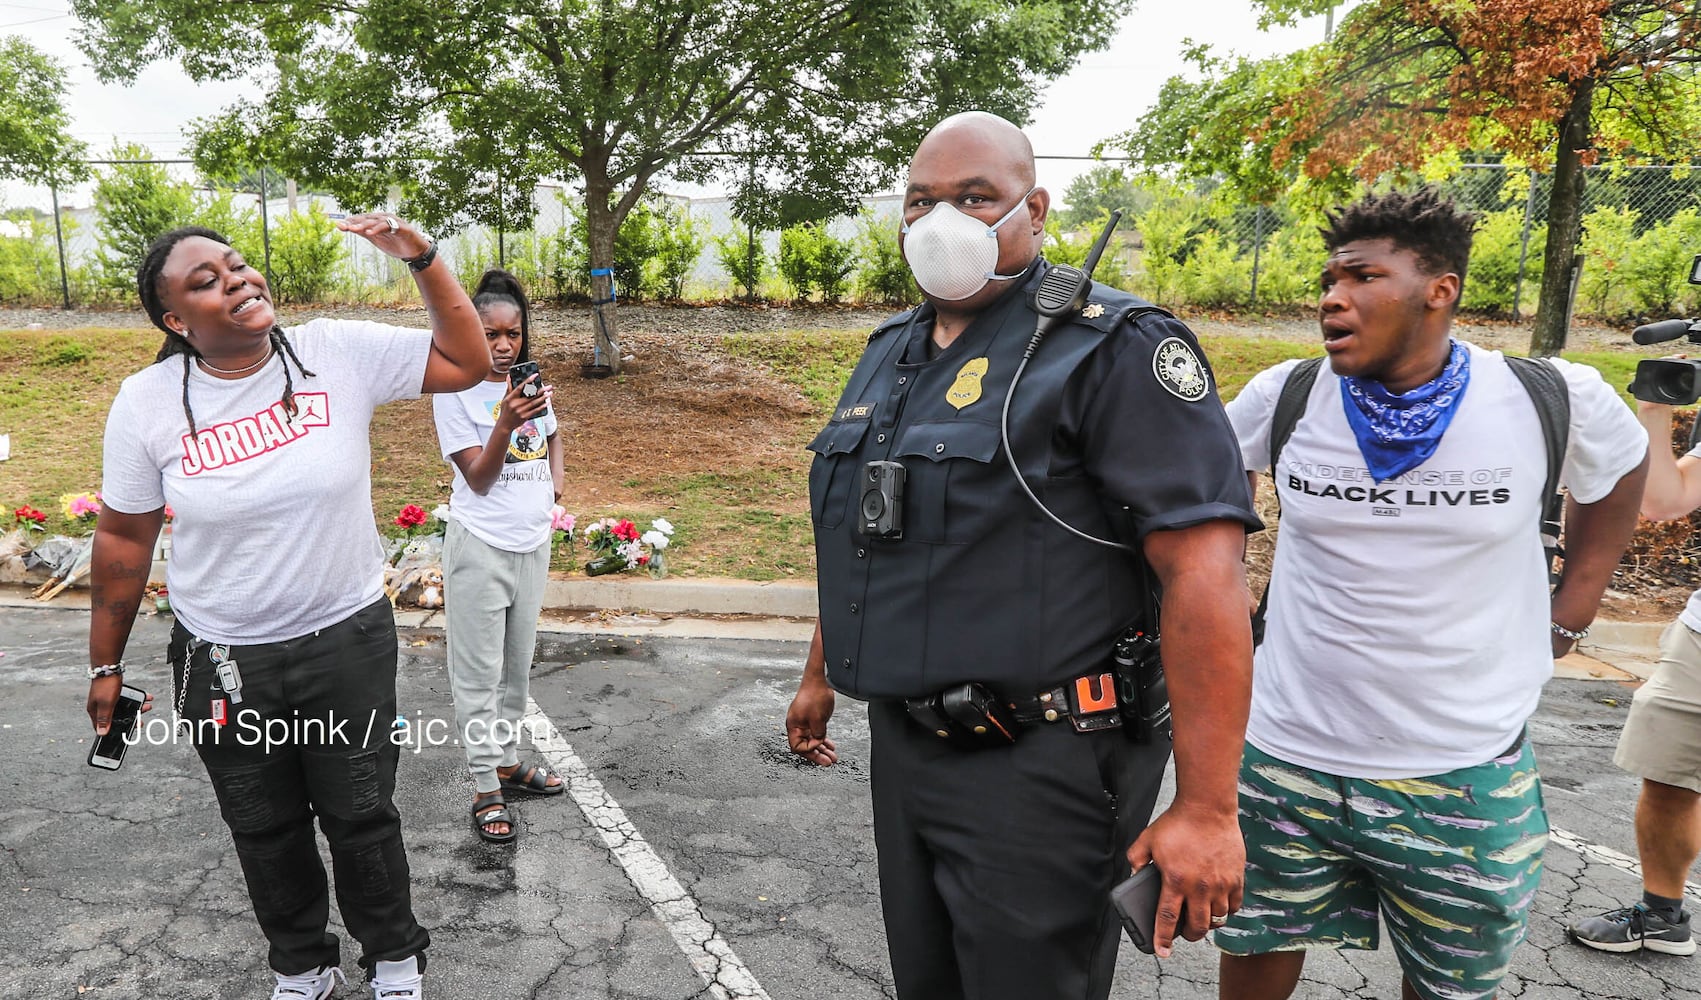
[1179, 370]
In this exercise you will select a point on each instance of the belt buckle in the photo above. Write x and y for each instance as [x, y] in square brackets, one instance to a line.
[1093, 703]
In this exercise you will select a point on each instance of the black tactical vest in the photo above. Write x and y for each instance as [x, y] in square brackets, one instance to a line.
[982, 587]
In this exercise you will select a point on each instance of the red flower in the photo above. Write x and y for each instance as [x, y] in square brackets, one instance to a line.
[28, 513]
[626, 531]
[643, 560]
[412, 516]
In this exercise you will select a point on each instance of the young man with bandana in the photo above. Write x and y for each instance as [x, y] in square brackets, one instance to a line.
[997, 858]
[1410, 627]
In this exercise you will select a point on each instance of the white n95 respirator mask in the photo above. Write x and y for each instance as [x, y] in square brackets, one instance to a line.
[953, 255]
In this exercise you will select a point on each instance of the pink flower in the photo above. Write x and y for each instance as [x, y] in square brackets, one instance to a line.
[560, 520]
[412, 516]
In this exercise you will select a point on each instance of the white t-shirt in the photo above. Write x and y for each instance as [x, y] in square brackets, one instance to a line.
[273, 536]
[1408, 620]
[514, 514]
[1691, 615]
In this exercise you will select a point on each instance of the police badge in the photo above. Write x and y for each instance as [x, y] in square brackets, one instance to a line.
[1179, 370]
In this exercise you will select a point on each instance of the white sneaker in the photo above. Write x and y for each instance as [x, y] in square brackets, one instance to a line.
[308, 985]
[398, 980]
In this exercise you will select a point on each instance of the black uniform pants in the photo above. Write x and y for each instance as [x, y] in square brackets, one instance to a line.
[311, 737]
[996, 865]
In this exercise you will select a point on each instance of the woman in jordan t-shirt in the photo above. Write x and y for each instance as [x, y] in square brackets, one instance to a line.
[259, 437]
[501, 438]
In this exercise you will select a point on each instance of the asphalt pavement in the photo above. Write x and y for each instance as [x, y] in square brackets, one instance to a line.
[695, 857]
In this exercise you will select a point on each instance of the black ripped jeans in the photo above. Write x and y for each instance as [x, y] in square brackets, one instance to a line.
[311, 737]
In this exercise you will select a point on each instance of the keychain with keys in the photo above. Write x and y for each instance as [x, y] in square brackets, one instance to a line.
[229, 677]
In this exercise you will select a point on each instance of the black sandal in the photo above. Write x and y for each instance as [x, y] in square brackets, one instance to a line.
[535, 782]
[488, 808]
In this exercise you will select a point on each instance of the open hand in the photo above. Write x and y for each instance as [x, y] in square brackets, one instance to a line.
[388, 233]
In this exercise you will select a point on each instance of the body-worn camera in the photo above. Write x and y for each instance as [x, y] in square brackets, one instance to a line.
[1672, 381]
[881, 510]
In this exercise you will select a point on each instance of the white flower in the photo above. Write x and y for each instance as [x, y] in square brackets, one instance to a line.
[631, 551]
[662, 525]
[594, 528]
[655, 540]
[441, 513]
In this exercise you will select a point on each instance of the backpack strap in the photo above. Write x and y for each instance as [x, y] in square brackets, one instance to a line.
[1552, 399]
[1290, 406]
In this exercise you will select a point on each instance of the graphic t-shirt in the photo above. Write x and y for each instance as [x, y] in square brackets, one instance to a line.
[1408, 619]
[273, 536]
[513, 515]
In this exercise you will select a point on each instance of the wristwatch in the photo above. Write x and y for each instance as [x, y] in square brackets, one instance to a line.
[423, 261]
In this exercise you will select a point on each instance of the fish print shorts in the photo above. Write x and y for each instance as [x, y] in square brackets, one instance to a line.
[1452, 861]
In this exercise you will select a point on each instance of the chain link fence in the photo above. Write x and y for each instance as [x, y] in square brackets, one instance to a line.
[1183, 245]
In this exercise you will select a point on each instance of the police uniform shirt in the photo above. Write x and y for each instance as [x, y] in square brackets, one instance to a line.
[1116, 410]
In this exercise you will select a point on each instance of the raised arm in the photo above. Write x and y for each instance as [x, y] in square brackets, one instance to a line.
[459, 357]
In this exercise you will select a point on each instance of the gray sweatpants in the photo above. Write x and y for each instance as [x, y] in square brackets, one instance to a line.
[491, 600]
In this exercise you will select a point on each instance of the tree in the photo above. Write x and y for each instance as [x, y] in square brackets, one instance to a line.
[1092, 196]
[465, 104]
[36, 145]
[1548, 82]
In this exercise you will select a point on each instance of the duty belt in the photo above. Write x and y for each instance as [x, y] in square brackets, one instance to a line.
[971, 715]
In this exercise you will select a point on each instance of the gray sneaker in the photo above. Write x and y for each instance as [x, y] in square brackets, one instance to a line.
[1632, 928]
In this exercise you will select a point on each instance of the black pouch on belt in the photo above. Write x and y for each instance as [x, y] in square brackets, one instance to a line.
[969, 715]
[1142, 690]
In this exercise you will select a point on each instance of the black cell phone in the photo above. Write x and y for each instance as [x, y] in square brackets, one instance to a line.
[520, 372]
[1136, 901]
[108, 751]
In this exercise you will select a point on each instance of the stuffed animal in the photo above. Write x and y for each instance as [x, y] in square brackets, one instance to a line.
[431, 588]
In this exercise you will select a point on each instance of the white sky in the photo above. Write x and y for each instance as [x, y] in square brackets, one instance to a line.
[1105, 94]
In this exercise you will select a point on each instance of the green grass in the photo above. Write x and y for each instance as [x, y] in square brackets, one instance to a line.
[744, 521]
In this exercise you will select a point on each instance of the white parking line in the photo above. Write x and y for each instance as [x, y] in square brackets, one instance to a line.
[725, 975]
[1608, 856]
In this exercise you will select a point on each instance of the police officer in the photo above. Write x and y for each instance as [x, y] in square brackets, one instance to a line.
[998, 850]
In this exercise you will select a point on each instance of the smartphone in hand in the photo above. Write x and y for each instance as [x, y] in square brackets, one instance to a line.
[523, 370]
[108, 750]
[1136, 901]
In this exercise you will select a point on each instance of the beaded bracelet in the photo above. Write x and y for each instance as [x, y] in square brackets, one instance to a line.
[106, 670]
[1567, 633]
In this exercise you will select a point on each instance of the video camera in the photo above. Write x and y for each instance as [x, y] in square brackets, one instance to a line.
[1673, 381]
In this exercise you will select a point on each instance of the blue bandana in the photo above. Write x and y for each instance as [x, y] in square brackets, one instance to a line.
[1398, 432]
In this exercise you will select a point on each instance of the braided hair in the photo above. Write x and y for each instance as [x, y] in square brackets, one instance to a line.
[148, 288]
[499, 286]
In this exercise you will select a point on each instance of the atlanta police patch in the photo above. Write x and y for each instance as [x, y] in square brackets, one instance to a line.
[1179, 370]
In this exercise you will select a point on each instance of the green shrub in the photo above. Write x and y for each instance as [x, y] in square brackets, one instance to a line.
[1166, 235]
[238, 223]
[1073, 249]
[1491, 280]
[796, 259]
[1658, 271]
[29, 264]
[305, 252]
[742, 258]
[1609, 235]
[1216, 274]
[679, 241]
[635, 244]
[881, 274]
[1289, 265]
[135, 202]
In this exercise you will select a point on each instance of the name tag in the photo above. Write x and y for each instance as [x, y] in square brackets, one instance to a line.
[861, 411]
